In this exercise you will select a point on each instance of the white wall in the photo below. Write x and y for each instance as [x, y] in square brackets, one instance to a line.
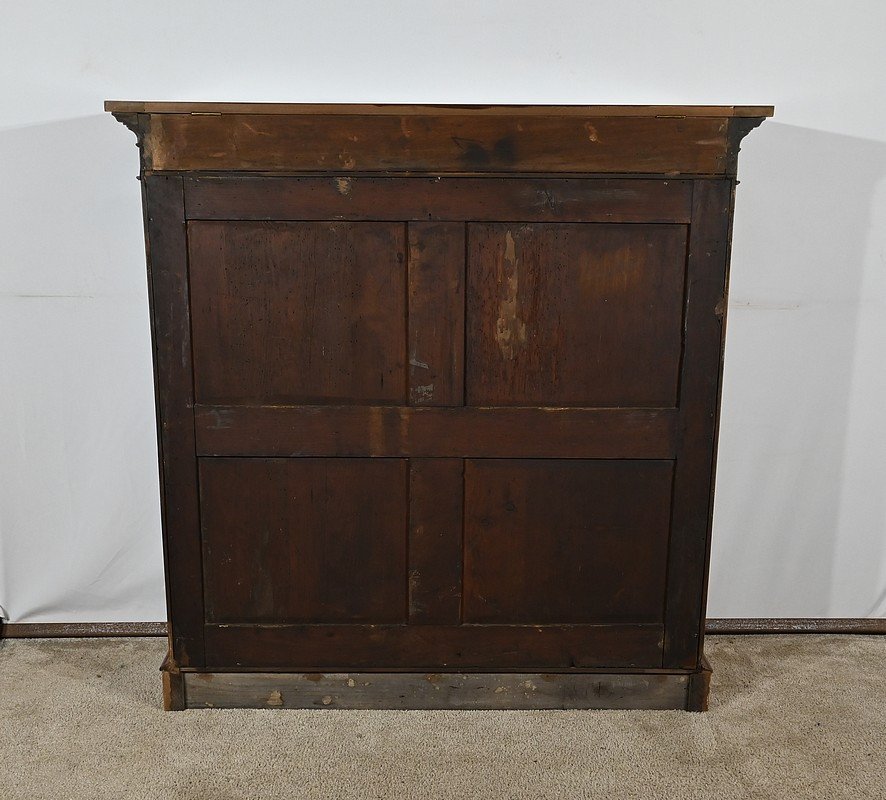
[801, 499]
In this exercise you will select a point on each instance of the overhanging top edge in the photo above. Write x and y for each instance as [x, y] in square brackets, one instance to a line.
[392, 109]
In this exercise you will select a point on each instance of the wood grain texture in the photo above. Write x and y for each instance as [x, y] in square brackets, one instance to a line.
[167, 256]
[699, 408]
[554, 542]
[439, 648]
[428, 431]
[298, 312]
[304, 540]
[444, 199]
[436, 313]
[471, 691]
[342, 143]
[436, 511]
[574, 315]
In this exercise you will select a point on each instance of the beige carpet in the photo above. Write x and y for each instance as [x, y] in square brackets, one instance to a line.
[791, 717]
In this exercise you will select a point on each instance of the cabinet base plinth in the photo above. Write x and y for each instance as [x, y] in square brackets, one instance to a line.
[412, 690]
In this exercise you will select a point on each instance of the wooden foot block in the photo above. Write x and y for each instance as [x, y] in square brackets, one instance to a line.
[173, 686]
[699, 687]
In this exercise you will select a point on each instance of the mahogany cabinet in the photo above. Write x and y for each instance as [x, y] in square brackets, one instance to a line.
[437, 399]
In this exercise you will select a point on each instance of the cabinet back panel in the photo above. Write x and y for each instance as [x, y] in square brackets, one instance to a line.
[551, 349]
[301, 312]
[437, 389]
[574, 314]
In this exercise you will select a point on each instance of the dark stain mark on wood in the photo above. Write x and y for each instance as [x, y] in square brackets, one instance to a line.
[505, 151]
[474, 154]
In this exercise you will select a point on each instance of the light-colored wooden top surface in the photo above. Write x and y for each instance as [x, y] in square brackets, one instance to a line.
[143, 107]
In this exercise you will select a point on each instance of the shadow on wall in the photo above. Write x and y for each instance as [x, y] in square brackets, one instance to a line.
[804, 224]
[79, 501]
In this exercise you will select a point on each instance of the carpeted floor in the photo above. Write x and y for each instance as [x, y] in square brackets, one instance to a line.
[791, 717]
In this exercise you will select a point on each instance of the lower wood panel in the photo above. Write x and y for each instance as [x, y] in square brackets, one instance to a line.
[436, 514]
[565, 541]
[433, 647]
[304, 540]
[471, 691]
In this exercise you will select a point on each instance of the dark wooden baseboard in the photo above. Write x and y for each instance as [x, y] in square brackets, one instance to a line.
[61, 630]
[715, 626]
[723, 625]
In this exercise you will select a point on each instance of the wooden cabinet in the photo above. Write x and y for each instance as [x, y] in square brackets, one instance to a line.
[437, 394]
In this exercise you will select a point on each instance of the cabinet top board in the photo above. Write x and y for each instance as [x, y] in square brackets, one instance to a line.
[351, 139]
[392, 109]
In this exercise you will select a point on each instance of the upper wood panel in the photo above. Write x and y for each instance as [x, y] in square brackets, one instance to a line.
[298, 312]
[574, 315]
[669, 140]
